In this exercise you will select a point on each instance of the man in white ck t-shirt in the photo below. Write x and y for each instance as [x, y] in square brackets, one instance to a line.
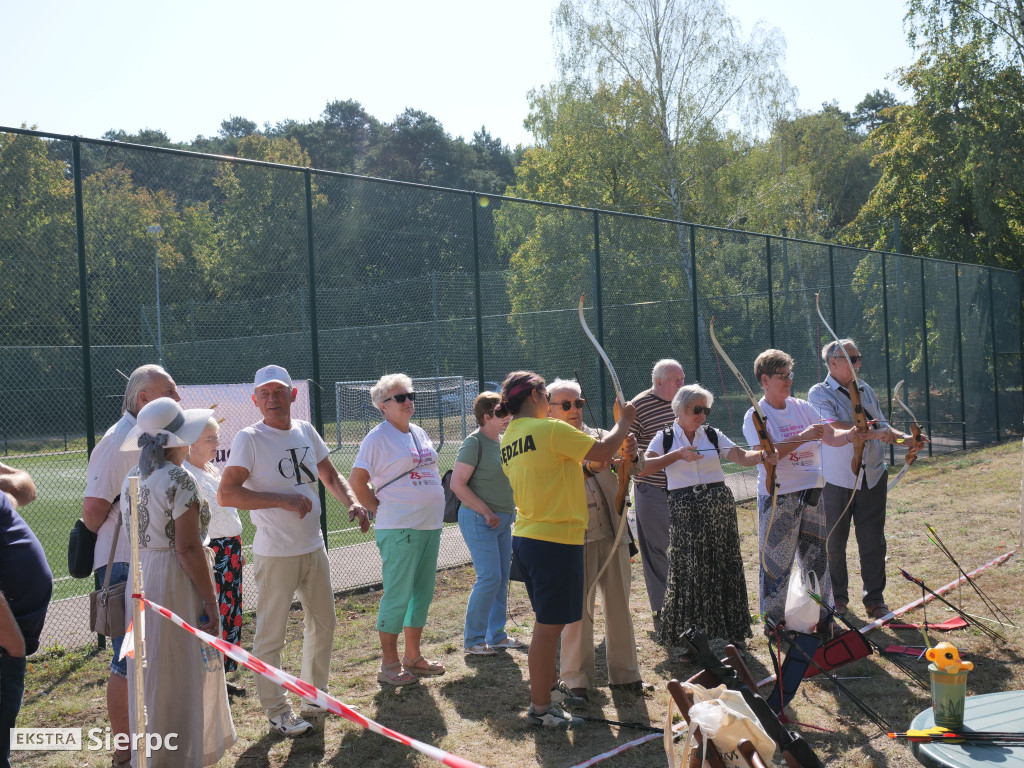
[273, 471]
[101, 509]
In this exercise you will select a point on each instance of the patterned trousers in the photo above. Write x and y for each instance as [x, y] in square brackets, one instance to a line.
[227, 575]
[796, 535]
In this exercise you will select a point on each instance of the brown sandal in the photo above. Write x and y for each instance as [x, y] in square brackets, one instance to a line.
[431, 670]
[393, 674]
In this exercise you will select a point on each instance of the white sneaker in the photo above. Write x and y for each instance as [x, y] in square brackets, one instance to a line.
[309, 709]
[562, 694]
[289, 724]
[510, 642]
[552, 717]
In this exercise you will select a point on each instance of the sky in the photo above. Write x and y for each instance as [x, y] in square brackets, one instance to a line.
[85, 68]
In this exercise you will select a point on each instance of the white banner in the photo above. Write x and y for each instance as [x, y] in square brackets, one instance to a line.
[234, 406]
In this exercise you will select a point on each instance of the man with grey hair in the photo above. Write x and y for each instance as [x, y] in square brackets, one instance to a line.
[844, 501]
[653, 414]
[101, 513]
[577, 660]
[272, 471]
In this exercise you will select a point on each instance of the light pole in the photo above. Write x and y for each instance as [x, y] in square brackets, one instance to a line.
[155, 230]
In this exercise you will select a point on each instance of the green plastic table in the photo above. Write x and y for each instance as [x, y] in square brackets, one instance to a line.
[988, 712]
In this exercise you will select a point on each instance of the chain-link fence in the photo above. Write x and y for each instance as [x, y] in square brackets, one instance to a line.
[342, 279]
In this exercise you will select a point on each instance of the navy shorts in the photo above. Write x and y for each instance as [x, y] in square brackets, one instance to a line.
[553, 574]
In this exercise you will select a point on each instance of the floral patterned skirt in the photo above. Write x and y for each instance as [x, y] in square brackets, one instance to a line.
[706, 586]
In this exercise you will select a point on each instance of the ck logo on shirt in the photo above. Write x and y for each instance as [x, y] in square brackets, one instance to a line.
[516, 447]
[293, 466]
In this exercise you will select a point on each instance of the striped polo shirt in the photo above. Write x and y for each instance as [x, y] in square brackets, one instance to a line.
[652, 415]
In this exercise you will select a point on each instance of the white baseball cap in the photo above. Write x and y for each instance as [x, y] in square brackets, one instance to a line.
[269, 374]
[164, 416]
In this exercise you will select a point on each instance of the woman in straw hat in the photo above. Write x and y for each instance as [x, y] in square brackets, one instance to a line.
[183, 677]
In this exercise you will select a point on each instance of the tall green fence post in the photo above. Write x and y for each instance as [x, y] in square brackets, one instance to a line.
[693, 296]
[995, 358]
[960, 359]
[314, 340]
[478, 298]
[832, 280]
[924, 352]
[599, 309]
[885, 326]
[771, 302]
[83, 292]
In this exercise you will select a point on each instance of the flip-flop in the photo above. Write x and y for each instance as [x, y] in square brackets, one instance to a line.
[393, 674]
[431, 670]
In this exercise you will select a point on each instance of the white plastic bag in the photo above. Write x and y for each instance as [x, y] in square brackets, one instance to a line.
[801, 610]
[725, 719]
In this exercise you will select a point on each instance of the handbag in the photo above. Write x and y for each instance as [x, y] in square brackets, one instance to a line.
[81, 550]
[451, 501]
[106, 606]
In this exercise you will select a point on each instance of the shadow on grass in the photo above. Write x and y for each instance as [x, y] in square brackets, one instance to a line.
[61, 665]
[410, 710]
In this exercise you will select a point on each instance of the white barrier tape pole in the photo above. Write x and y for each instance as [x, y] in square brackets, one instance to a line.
[918, 602]
[629, 745]
[311, 693]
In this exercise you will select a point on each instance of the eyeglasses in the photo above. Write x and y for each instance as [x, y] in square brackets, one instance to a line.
[568, 404]
[400, 398]
[787, 376]
[699, 409]
[854, 359]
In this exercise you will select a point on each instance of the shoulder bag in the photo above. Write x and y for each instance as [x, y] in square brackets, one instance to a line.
[106, 605]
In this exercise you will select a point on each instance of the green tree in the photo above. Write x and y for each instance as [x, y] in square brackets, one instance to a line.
[689, 71]
[809, 178]
[263, 224]
[120, 256]
[39, 300]
[952, 161]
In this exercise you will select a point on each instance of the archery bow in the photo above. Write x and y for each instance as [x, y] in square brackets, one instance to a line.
[915, 431]
[860, 421]
[761, 426]
[623, 470]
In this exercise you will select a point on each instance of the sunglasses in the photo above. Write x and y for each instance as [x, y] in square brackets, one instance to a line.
[699, 409]
[411, 396]
[568, 404]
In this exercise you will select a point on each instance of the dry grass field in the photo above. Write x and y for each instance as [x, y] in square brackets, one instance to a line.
[477, 709]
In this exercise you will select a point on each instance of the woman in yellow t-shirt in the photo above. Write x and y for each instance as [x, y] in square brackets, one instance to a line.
[543, 458]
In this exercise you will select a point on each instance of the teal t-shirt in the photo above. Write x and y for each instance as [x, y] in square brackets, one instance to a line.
[488, 480]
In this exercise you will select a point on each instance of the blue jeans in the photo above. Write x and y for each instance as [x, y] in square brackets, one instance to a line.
[12, 688]
[118, 574]
[491, 550]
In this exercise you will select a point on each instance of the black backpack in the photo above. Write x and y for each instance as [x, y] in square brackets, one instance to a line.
[668, 436]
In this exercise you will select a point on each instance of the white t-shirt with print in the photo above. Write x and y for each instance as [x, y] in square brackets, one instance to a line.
[416, 500]
[282, 461]
[108, 467]
[801, 468]
[707, 469]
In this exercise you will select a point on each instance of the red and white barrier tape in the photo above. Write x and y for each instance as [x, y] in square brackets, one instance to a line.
[311, 693]
[918, 602]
